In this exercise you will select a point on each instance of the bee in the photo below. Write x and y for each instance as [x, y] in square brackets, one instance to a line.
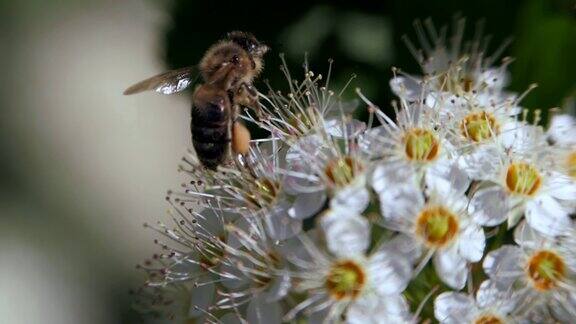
[228, 69]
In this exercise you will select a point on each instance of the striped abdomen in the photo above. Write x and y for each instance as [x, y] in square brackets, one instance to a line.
[210, 125]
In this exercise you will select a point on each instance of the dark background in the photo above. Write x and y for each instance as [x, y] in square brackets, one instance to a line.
[82, 166]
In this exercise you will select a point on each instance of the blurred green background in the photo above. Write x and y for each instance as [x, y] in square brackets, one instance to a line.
[83, 167]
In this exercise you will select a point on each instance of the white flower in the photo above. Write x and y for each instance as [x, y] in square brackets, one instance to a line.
[320, 163]
[490, 305]
[541, 272]
[435, 221]
[415, 141]
[451, 67]
[259, 189]
[525, 183]
[366, 288]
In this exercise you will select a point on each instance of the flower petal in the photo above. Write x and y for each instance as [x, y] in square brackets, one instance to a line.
[307, 204]
[353, 198]
[454, 308]
[406, 88]
[389, 272]
[346, 235]
[489, 206]
[482, 163]
[526, 236]
[562, 130]
[472, 242]
[406, 246]
[446, 177]
[374, 309]
[351, 129]
[547, 216]
[451, 267]
[504, 265]
[561, 187]
[490, 296]
[279, 224]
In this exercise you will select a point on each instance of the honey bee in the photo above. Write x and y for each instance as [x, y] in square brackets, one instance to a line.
[228, 69]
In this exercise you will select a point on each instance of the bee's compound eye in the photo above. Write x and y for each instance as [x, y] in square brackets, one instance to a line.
[235, 59]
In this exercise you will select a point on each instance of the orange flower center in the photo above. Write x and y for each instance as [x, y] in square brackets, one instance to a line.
[341, 171]
[545, 269]
[479, 126]
[437, 225]
[488, 319]
[345, 280]
[523, 179]
[421, 145]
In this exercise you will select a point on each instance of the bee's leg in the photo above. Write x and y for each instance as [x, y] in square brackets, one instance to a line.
[248, 96]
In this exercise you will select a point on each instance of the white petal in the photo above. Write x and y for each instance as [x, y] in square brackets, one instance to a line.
[353, 198]
[547, 216]
[389, 175]
[504, 265]
[406, 88]
[346, 235]
[374, 309]
[490, 295]
[307, 204]
[279, 224]
[404, 245]
[399, 207]
[471, 243]
[389, 273]
[564, 308]
[453, 308]
[563, 130]
[446, 177]
[526, 236]
[352, 128]
[561, 187]
[482, 163]
[261, 312]
[451, 267]
[489, 206]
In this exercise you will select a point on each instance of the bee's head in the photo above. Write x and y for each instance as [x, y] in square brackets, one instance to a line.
[248, 42]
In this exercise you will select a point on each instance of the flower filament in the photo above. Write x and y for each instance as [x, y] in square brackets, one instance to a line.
[421, 145]
[346, 279]
[437, 225]
[545, 269]
[478, 127]
[341, 172]
[523, 179]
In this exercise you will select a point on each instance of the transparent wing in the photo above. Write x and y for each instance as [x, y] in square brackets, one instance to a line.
[166, 83]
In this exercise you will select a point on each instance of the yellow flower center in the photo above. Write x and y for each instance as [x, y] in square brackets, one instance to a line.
[571, 164]
[436, 225]
[421, 145]
[523, 179]
[545, 269]
[341, 171]
[345, 280]
[264, 191]
[479, 126]
[488, 319]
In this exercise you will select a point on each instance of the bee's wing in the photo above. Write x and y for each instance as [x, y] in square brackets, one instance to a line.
[166, 83]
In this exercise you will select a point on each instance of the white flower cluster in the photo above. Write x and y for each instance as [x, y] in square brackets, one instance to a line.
[332, 220]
